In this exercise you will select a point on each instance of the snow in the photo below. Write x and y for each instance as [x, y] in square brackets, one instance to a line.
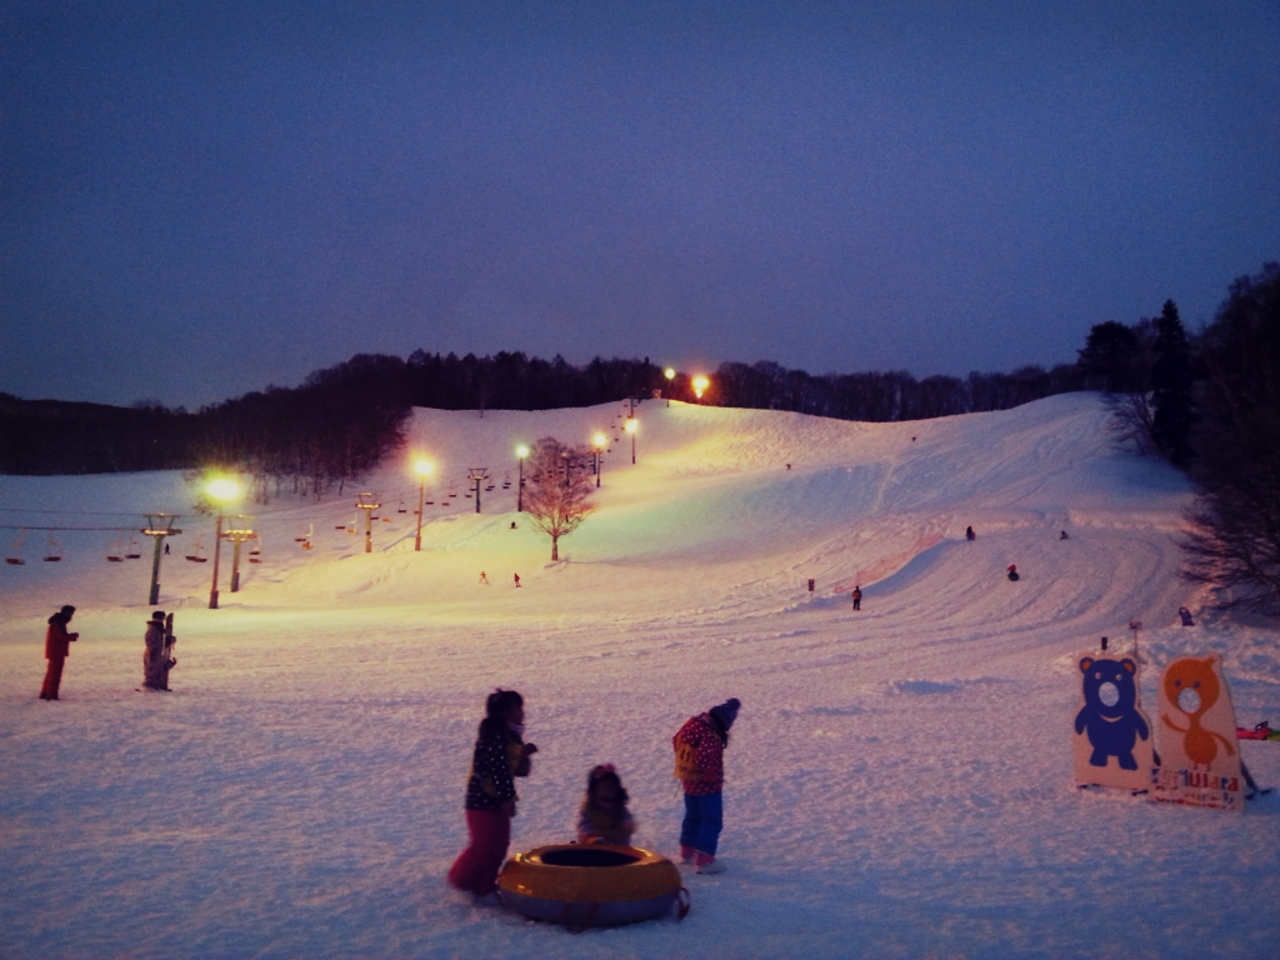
[899, 780]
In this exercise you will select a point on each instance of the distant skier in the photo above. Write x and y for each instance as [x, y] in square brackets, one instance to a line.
[517, 576]
[969, 534]
[857, 598]
[1063, 535]
[1185, 614]
[57, 647]
[1013, 572]
[484, 577]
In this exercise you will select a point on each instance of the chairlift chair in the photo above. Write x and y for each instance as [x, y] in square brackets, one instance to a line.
[14, 556]
[54, 553]
[402, 508]
[115, 553]
[255, 554]
[135, 550]
[197, 550]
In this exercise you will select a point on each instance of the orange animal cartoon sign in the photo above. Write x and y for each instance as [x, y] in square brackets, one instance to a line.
[1199, 751]
[1112, 741]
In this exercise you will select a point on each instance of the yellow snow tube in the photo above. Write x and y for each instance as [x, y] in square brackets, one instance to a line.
[597, 884]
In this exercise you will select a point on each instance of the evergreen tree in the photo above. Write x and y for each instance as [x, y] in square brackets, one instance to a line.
[1171, 387]
[1235, 540]
[1112, 359]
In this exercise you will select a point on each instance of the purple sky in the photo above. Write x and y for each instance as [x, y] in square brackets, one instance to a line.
[197, 200]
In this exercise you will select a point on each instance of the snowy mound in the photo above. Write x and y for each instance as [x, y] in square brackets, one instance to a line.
[899, 780]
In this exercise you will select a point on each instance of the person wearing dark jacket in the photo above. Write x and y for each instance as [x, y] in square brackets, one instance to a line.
[699, 747]
[500, 756]
[57, 647]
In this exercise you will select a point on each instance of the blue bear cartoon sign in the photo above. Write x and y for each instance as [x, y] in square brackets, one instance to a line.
[1112, 743]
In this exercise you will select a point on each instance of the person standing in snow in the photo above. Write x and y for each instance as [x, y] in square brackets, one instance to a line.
[1013, 572]
[969, 534]
[500, 755]
[699, 747]
[857, 598]
[154, 673]
[57, 647]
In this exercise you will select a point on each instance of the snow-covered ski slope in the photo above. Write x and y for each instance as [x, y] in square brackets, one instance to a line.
[899, 778]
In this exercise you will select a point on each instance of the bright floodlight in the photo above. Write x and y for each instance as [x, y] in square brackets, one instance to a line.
[522, 451]
[599, 440]
[700, 384]
[632, 425]
[423, 467]
[223, 489]
[669, 373]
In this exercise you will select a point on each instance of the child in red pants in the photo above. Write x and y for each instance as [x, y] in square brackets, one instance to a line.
[500, 755]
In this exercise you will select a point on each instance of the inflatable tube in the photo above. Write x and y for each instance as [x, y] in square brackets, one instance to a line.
[586, 885]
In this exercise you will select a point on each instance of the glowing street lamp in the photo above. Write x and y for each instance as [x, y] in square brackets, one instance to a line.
[423, 470]
[225, 492]
[632, 426]
[522, 454]
[700, 385]
[670, 374]
[598, 443]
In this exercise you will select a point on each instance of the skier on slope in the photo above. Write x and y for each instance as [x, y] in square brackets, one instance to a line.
[1013, 572]
[857, 598]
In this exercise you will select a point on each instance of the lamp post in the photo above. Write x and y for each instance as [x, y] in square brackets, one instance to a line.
[522, 454]
[224, 491]
[598, 443]
[700, 384]
[423, 467]
[632, 426]
[670, 374]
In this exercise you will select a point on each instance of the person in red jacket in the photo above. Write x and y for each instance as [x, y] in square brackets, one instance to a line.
[699, 747]
[57, 647]
[500, 755]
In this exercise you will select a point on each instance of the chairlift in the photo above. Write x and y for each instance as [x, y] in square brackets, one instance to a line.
[14, 556]
[135, 550]
[54, 553]
[115, 554]
[402, 508]
[255, 554]
[352, 524]
[197, 551]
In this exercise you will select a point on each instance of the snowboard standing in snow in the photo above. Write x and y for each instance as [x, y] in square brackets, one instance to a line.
[167, 660]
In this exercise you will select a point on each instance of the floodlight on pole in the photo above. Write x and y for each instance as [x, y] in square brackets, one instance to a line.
[670, 374]
[598, 443]
[224, 491]
[522, 454]
[423, 469]
[700, 384]
[632, 427]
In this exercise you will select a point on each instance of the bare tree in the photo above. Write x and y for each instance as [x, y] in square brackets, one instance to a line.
[558, 492]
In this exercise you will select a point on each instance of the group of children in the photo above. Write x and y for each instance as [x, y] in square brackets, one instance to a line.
[501, 755]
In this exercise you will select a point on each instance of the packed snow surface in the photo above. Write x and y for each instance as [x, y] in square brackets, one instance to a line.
[899, 779]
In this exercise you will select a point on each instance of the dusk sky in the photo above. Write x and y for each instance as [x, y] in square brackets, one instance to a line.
[200, 199]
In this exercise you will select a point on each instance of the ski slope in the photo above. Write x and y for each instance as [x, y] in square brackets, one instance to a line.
[899, 779]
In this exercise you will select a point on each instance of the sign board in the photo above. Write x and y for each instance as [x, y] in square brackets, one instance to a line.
[1112, 738]
[1198, 747]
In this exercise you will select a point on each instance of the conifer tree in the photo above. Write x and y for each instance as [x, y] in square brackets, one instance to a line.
[1171, 387]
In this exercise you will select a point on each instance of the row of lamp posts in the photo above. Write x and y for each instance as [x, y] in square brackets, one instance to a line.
[225, 491]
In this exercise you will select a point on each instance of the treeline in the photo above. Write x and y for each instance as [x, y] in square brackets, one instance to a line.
[341, 420]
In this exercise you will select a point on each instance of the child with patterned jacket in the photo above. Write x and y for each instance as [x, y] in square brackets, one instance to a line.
[603, 817]
[699, 747]
[500, 755]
